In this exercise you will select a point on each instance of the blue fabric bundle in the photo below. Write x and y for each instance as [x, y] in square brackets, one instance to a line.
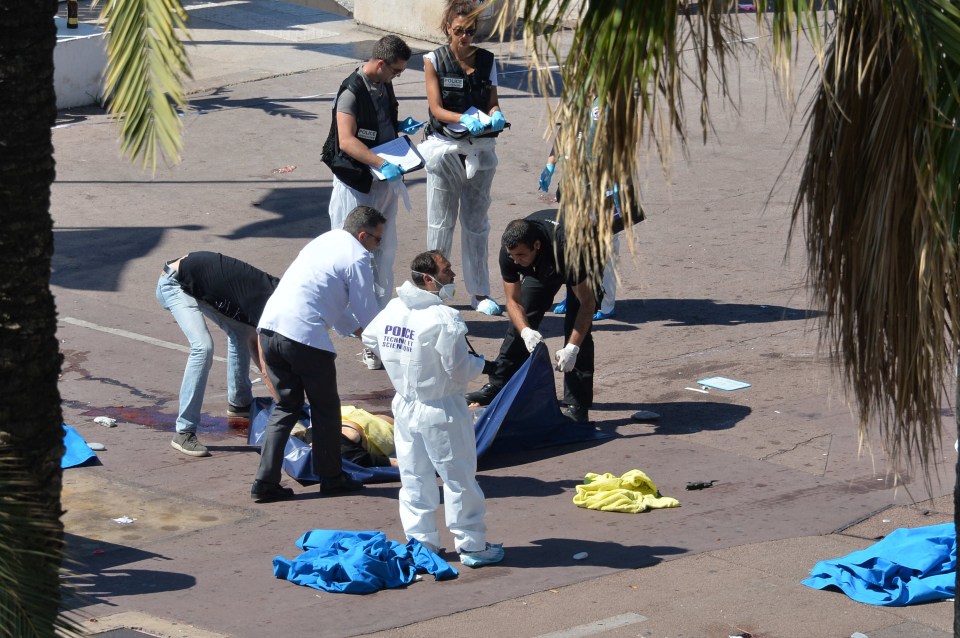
[908, 566]
[75, 449]
[358, 562]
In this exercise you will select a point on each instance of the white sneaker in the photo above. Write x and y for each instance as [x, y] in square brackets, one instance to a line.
[370, 358]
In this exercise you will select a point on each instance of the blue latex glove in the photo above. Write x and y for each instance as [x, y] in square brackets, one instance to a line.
[497, 121]
[545, 176]
[409, 126]
[473, 124]
[391, 172]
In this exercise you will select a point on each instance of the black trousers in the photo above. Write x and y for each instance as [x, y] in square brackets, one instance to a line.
[296, 370]
[537, 298]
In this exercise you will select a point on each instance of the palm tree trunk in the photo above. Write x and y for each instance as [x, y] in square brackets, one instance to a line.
[31, 437]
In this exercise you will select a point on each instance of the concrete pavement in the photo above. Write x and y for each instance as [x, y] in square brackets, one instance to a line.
[705, 292]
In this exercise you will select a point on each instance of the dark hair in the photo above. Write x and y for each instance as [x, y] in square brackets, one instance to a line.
[390, 49]
[363, 218]
[424, 264]
[519, 231]
[457, 8]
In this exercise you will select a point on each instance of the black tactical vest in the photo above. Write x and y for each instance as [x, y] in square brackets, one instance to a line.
[459, 91]
[356, 174]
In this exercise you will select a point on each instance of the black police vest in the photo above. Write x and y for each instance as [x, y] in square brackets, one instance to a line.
[356, 174]
[459, 91]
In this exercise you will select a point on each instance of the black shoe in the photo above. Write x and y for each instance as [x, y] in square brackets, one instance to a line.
[341, 484]
[263, 492]
[575, 414]
[484, 395]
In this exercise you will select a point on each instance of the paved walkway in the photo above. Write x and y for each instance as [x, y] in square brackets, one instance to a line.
[705, 292]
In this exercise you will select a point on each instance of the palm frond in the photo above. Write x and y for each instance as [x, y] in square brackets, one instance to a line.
[879, 197]
[31, 545]
[879, 190]
[144, 77]
[640, 56]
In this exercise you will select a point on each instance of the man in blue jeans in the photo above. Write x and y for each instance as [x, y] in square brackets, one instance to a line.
[231, 294]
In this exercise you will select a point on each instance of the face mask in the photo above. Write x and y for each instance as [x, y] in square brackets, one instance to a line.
[447, 292]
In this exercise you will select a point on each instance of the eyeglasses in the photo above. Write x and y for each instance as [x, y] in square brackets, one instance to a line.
[469, 32]
[396, 72]
[379, 239]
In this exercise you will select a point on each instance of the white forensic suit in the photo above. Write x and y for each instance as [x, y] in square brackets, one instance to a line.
[423, 347]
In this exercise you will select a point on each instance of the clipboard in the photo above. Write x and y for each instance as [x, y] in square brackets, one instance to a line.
[400, 152]
[475, 114]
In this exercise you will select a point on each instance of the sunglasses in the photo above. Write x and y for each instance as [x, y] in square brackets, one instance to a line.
[379, 239]
[396, 72]
[469, 32]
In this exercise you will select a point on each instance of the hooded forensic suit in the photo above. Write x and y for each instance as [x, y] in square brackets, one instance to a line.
[423, 348]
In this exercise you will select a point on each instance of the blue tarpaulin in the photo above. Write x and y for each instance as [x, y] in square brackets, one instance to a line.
[358, 562]
[908, 566]
[76, 451]
[524, 415]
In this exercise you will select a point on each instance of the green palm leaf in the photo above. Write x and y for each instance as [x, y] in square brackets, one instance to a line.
[879, 196]
[31, 545]
[143, 80]
[879, 190]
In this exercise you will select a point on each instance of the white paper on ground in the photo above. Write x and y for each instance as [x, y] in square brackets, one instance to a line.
[723, 383]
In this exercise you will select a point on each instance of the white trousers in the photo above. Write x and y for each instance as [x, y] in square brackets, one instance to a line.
[610, 277]
[439, 439]
[449, 194]
[383, 197]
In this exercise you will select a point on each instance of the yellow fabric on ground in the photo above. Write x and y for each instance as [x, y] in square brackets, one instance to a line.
[633, 492]
[379, 432]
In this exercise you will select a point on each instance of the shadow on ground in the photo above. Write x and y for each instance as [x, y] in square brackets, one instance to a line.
[95, 574]
[676, 418]
[559, 552]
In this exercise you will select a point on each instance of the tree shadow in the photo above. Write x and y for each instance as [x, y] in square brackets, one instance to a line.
[699, 312]
[93, 577]
[496, 459]
[219, 100]
[301, 213]
[518, 485]
[113, 246]
[677, 417]
[559, 552]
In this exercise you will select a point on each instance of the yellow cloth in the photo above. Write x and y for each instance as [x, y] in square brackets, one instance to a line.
[379, 432]
[633, 492]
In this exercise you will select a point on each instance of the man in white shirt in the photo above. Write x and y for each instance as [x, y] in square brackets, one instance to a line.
[328, 285]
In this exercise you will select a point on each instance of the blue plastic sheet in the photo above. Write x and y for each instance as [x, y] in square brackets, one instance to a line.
[908, 566]
[525, 415]
[358, 562]
[76, 451]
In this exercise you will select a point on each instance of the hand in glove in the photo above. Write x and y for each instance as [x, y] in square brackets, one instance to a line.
[530, 338]
[497, 121]
[473, 124]
[545, 176]
[391, 172]
[409, 126]
[567, 357]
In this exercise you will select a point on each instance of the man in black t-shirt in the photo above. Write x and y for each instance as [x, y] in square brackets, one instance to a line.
[232, 294]
[533, 270]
